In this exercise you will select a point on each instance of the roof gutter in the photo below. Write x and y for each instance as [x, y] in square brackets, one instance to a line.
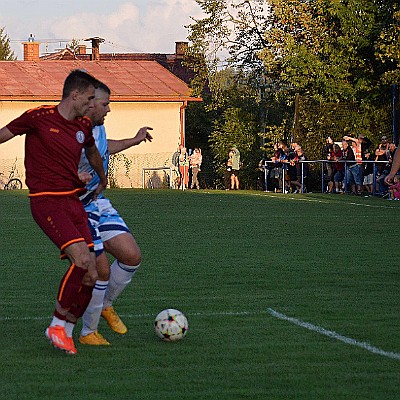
[132, 99]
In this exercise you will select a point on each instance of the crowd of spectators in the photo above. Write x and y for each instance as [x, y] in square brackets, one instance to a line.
[351, 166]
[286, 173]
[355, 167]
[186, 167]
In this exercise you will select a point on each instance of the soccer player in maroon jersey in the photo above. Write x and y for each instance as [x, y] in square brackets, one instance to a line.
[55, 137]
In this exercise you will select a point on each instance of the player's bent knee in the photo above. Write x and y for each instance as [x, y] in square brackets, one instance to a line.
[135, 260]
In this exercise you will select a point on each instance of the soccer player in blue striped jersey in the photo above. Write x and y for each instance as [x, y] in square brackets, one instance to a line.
[110, 232]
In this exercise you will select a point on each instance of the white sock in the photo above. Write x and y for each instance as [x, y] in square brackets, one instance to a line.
[69, 328]
[56, 321]
[120, 276]
[91, 317]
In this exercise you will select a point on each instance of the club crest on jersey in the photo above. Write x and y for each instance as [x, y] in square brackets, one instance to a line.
[80, 137]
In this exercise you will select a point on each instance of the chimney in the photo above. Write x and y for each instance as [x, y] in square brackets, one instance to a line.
[95, 47]
[31, 49]
[180, 49]
[81, 49]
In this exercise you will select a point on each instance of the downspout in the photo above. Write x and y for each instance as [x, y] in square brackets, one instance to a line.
[182, 121]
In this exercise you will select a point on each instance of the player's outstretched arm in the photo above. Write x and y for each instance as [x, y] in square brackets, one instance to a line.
[115, 146]
[5, 134]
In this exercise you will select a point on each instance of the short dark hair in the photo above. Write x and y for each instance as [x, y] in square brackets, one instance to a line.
[78, 79]
[102, 86]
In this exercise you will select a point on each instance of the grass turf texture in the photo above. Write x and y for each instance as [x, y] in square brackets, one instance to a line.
[223, 258]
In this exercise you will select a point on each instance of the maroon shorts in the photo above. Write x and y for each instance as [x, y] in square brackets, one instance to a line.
[62, 218]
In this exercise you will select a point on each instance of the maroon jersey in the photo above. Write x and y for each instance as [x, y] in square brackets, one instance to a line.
[53, 148]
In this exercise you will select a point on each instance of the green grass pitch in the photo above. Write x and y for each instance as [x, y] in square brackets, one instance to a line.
[228, 260]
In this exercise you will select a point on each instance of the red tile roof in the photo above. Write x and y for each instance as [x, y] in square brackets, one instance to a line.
[128, 80]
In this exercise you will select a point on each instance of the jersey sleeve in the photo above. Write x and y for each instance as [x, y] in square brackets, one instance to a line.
[21, 125]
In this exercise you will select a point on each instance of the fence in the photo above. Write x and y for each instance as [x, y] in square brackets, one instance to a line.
[269, 165]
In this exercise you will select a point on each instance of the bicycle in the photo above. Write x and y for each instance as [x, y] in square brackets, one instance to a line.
[10, 183]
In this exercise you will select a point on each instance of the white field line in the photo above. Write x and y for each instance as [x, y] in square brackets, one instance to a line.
[201, 314]
[325, 201]
[334, 335]
[276, 314]
[331, 200]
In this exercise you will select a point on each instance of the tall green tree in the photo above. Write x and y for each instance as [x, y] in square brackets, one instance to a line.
[326, 48]
[235, 121]
[6, 54]
[231, 34]
[388, 49]
[328, 52]
[335, 51]
[227, 42]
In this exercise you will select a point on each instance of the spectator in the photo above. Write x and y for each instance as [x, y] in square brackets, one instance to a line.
[303, 168]
[293, 146]
[276, 171]
[354, 174]
[195, 164]
[235, 168]
[292, 177]
[338, 170]
[184, 168]
[284, 159]
[348, 156]
[176, 176]
[368, 172]
[362, 144]
[326, 154]
[228, 171]
[382, 154]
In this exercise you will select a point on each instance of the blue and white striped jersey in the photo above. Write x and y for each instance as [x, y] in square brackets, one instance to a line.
[99, 134]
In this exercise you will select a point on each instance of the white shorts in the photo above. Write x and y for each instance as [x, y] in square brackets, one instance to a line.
[104, 222]
[368, 179]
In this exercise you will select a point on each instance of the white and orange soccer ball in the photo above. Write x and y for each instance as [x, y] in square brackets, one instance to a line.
[171, 325]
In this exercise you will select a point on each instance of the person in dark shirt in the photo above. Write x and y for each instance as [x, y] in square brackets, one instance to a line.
[326, 154]
[349, 157]
[338, 170]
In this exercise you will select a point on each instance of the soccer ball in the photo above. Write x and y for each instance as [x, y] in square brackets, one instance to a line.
[171, 325]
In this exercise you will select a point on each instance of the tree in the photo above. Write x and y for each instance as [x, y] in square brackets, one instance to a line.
[339, 58]
[388, 49]
[326, 51]
[224, 47]
[73, 46]
[237, 127]
[326, 48]
[6, 54]
[232, 34]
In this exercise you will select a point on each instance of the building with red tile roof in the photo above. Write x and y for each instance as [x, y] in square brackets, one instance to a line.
[144, 93]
